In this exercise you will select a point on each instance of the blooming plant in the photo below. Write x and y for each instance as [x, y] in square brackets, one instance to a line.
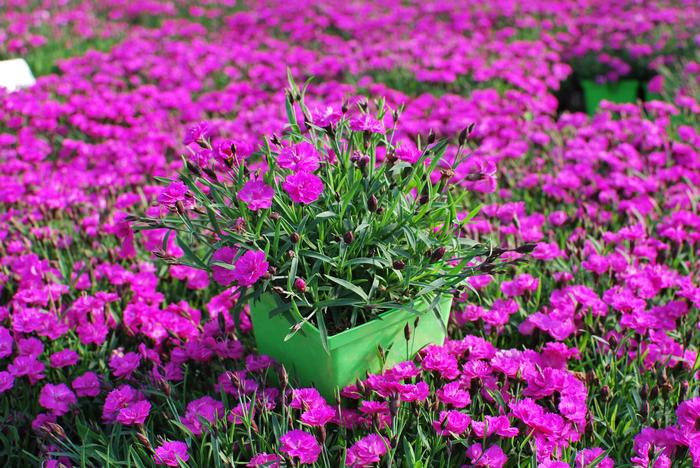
[336, 218]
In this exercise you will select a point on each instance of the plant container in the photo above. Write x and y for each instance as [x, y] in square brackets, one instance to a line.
[623, 91]
[351, 353]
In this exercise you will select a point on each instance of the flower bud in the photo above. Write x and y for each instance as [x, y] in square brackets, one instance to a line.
[438, 254]
[407, 332]
[398, 265]
[372, 203]
[526, 248]
[300, 285]
[431, 137]
[294, 237]
[348, 237]
[275, 216]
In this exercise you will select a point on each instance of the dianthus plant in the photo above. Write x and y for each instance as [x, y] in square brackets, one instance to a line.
[334, 218]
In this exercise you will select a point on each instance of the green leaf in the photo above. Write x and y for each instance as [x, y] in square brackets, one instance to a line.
[349, 286]
[321, 323]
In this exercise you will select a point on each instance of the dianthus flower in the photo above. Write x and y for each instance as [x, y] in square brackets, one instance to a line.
[57, 398]
[300, 157]
[250, 267]
[303, 187]
[256, 194]
[171, 453]
[366, 451]
[301, 445]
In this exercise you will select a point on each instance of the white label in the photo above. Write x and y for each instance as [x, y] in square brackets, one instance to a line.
[15, 74]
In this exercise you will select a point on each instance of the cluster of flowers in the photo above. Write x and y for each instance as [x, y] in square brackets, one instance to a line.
[610, 203]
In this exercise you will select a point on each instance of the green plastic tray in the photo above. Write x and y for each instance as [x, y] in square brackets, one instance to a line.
[353, 352]
[622, 91]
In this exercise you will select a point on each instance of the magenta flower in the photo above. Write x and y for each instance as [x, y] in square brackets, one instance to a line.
[57, 398]
[366, 451]
[87, 385]
[256, 194]
[452, 423]
[117, 399]
[366, 123]
[265, 460]
[301, 157]
[303, 187]
[135, 413]
[177, 191]
[196, 134]
[326, 116]
[318, 415]
[124, 365]
[222, 275]
[301, 445]
[6, 381]
[171, 453]
[492, 457]
[201, 411]
[250, 267]
[64, 358]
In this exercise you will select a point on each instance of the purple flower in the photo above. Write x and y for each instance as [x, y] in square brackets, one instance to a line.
[492, 457]
[300, 157]
[124, 365]
[171, 453]
[265, 460]
[326, 117]
[177, 191]
[205, 409]
[135, 413]
[256, 194]
[366, 451]
[87, 385]
[452, 423]
[57, 398]
[196, 134]
[7, 381]
[64, 358]
[250, 267]
[366, 123]
[222, 275]
[301, 445]
[303, 187]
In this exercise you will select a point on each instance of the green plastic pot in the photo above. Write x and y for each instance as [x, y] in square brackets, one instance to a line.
[621, 92]
[352, 353]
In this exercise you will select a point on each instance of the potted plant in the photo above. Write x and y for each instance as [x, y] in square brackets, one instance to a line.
[347, 246]
[605, 76]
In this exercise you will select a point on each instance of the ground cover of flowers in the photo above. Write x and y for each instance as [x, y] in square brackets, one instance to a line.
[585, 353]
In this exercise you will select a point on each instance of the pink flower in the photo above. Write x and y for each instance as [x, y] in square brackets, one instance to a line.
[135, 413]
[301, 157]
[318, 415]
[171, 453]
[325, 117]
[492, 457]
[57, 398]
[177, 191]
[6, 342]
[6, 381]
[29, 366]
[453, 394]
[222, 275]
[201, 411]
[124, 365]
[452, 423]
[688, 414]
[366, 123]
[64, 358]
[196, 134]
[87, 385]
[250, 267]
[366, 451]
[301, 445]
[264, 460]
[116, 400]
[256, 194]
[303, 187]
